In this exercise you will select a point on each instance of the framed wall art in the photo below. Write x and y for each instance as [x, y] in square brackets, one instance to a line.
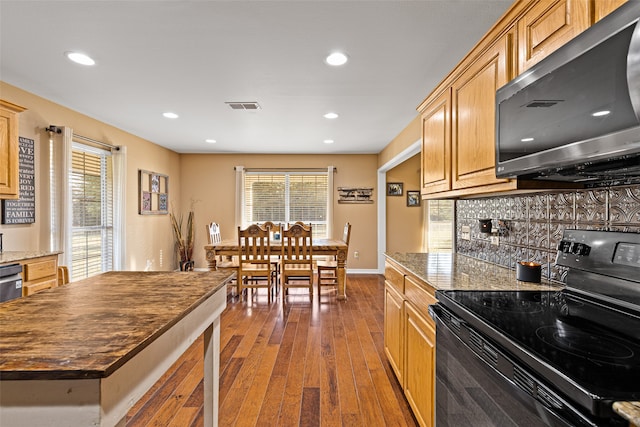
[394, 189]
[413, 198]
[153, 190]
[355, 195]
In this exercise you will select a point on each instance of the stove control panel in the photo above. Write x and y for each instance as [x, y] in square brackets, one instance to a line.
[627, 254]
[610, 253]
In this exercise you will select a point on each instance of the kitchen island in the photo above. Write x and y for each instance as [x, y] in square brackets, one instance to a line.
[84, 353]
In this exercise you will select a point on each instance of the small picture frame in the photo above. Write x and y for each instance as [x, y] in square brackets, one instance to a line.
[155, 183]
[394, 189]
[413, 198]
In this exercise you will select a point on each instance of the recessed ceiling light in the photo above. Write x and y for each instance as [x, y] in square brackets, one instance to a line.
[210, 141]
[170, 115]
[328, 141]
[331, 116]
[80, 58]
[336, 58]
[601, 113]
[526, 139]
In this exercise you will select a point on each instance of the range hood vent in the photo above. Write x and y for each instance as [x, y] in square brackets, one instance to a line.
[540, 103]
[243, 105]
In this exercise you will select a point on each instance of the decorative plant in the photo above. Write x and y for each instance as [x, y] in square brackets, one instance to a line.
[184, 240]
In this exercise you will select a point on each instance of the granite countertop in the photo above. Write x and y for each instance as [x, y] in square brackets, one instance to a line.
[446, 271]
[15, 256]
[89, 328]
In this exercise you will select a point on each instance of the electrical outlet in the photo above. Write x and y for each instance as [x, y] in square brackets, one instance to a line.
[356, 254]
[465, 232]
[495, 240]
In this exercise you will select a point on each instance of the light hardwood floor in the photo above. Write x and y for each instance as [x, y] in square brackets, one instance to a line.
[303, 363]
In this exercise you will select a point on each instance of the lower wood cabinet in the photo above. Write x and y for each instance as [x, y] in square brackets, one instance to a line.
[420, 358]
[410, 339]
[38, 273]
[394, 331]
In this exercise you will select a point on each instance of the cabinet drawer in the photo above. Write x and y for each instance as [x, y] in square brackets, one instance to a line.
[37, 287]
[394, 278]
[420, 298]
[40, 269]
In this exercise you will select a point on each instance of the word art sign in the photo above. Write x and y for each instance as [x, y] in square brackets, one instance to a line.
[23, 209]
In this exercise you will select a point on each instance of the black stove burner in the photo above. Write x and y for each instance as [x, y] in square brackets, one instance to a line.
[592, 346]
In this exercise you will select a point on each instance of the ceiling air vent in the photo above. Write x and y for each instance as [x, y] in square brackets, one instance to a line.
[243, 105]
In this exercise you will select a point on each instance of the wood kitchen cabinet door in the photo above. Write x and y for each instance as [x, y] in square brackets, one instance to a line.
[394, 331]
[436, 145]
[604, 7]
[547, 26]
[420, 359]
[9, 164]
[473, 116]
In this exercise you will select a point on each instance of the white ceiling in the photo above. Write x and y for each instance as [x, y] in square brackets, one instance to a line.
[190, 57]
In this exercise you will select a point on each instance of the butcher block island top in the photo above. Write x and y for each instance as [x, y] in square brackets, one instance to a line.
[82, 354]
[88, 329]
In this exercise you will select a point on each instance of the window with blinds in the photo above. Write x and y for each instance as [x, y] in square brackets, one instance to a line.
[440, 225]
[91, 180]
[287, 197]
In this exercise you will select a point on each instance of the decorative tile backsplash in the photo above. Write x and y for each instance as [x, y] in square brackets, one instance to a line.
[535, 223]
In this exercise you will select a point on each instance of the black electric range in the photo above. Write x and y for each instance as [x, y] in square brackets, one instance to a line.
[579, 347]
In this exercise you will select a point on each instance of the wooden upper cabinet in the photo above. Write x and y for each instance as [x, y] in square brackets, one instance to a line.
[602, 8]
[547, 25]
[473, 116]
[436, 144]
[9, 188]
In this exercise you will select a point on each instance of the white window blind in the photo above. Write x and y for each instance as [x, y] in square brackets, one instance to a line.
[287, 197]
[91, 180]
[440, 229]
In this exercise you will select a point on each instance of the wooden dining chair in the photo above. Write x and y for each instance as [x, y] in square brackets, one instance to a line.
[328, 269]
[63, 275]
[296, 262]
[223, 262]
[255, 269]
[272, 226]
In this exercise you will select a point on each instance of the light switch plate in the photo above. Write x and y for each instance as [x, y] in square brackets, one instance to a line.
[465, 232]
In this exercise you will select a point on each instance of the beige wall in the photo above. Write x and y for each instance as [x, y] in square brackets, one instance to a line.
[404, 224]
[206, 179]
[143, 240]
[209, 180]
[410, 134]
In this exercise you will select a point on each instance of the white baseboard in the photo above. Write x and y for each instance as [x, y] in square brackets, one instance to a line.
[362, 271]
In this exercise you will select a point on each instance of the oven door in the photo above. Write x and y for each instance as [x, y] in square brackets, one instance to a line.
[478, 384]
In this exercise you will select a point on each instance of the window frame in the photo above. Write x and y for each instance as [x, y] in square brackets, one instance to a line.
[321, 227]
[105, 228]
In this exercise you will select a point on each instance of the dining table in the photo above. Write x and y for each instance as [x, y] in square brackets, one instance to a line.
[331, 247]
